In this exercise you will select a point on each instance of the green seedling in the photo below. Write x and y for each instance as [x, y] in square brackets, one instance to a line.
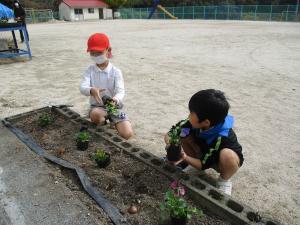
[82, 136]
[100, 155]
[176, 205]
[175, 133]
[111, 108]
[44, 120]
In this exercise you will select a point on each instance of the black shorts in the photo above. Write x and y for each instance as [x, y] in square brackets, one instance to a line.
[210, 153]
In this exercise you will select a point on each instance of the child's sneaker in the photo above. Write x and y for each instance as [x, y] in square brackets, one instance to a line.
[224, 185]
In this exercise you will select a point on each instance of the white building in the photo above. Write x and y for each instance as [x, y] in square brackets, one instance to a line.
[74, 10]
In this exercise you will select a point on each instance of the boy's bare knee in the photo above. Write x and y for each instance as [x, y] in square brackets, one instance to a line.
[229, 158]
[127, 134]
[190, 147]
[97, 119]
[124, 129]
[97, 116]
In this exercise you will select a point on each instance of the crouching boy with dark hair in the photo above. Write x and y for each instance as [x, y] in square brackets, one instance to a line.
[210, 141]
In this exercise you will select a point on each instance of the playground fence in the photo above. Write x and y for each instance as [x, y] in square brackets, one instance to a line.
[36, 16]
[220, 12]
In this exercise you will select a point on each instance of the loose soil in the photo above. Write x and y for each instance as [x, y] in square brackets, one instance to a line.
[125, 182]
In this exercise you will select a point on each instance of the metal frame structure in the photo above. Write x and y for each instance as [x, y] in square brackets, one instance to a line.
[11, 53]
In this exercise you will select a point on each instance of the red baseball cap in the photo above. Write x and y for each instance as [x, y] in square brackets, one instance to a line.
[98, 42]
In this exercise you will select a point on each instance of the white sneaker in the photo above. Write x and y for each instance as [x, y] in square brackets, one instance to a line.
[224, 186]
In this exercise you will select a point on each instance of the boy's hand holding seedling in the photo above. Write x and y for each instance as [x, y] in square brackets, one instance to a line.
[95, 92]
[173, 141]
[115, 100]
[178, 131]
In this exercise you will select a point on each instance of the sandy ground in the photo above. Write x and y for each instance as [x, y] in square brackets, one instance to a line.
[164, 62]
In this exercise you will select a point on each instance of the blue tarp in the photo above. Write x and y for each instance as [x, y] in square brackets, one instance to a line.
[6, 12]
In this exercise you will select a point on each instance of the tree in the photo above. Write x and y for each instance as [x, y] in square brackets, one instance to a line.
[115, 4]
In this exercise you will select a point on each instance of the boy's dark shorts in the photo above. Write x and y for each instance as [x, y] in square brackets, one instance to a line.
[210, 154]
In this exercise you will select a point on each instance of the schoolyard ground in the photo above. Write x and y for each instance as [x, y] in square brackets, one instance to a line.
[164, 62]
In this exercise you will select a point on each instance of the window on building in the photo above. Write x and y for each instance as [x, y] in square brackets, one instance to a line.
[78, 11]
[91, 10]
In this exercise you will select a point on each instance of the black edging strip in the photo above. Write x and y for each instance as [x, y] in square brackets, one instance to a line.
[112, 212]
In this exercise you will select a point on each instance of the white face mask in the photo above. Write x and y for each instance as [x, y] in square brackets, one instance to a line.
[99, 59]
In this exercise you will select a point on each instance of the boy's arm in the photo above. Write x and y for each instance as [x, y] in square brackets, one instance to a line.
[85, 84]
[191, 161]
[166, 139]
[86, 89]
[119, 86]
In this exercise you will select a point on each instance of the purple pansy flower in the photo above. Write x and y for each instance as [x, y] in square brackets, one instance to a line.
[122, 115]
[177, 188]
[185, 132]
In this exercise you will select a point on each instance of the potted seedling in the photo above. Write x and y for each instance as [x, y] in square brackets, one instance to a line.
[82, 140]
[179, 211]
[44, 120]
[112, 108]
[175, 134]
[102, 158]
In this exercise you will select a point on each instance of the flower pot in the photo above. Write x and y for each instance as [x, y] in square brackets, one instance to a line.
[106, 99]
[103, 163]
[83, 128]
[43, 125]
[174, 153]
[82, 145]
[178, 221]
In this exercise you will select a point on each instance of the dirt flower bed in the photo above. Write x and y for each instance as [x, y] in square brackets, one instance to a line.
[125, 181]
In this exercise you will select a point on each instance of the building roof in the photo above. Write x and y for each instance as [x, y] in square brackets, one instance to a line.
[85, 3]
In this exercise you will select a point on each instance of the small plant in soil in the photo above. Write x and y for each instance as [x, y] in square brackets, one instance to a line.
[175, 134]
[176, 206]
[102, 158]
[44, 120]
[82, 140]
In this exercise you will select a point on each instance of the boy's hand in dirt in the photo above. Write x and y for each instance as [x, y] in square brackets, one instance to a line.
[95, 92]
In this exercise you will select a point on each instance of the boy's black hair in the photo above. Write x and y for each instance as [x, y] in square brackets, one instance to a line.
[209, 104]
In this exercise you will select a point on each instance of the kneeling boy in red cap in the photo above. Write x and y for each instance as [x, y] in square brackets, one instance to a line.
[102, 81]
